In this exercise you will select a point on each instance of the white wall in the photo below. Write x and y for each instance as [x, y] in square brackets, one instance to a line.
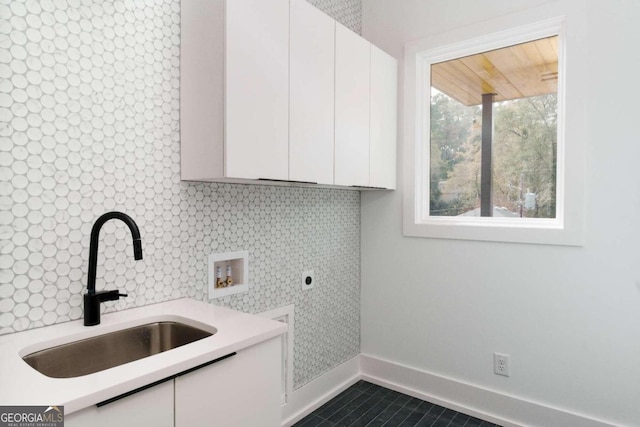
[569, 317]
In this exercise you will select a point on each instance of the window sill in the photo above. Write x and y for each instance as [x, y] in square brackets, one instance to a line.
[535, 231]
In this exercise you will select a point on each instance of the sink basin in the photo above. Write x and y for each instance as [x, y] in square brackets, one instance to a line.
[113, 349]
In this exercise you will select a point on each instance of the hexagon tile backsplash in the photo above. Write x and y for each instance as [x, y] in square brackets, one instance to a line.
[89, 122]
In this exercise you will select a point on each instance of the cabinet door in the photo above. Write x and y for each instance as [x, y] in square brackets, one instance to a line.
[257, 84]
[201, 89]
[151, 407]
[352, 108]
[311, 94]
[383, 127]
[240, 391]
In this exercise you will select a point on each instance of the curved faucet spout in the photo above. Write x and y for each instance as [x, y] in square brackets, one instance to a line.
[93, 245]
[92, 299]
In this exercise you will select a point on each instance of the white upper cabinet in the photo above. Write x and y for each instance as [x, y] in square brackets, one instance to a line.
[383, 120]
[278, 91]
[352, 108]
[311, 96]
[234, 89]
[202, 90]
[257, 73]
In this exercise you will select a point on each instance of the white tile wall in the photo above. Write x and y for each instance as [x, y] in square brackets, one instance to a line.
[89, 122]
[347, 12]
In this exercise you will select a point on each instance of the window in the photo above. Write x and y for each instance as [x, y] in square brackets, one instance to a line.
[493, 133]
[487, 147]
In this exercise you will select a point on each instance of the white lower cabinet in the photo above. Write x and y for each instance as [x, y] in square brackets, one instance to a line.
[241, 390]
[150, 407]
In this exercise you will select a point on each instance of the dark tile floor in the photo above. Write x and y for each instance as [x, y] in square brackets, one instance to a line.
[366, 404]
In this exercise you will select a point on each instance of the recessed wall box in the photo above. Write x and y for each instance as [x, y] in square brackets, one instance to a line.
[238, 263]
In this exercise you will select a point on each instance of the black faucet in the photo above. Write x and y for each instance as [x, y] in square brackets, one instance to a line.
[92, 299]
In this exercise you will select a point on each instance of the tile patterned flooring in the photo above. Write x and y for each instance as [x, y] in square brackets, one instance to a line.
[366, 404]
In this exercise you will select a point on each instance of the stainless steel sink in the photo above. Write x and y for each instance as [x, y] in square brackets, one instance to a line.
[116, 348]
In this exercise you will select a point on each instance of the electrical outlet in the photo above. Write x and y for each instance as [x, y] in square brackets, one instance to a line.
[307, 280]
[501, 364]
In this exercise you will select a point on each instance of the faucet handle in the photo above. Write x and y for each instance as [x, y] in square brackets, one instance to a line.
[114, 295]
[92, 305]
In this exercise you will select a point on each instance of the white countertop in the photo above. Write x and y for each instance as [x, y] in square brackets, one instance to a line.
[23, 385]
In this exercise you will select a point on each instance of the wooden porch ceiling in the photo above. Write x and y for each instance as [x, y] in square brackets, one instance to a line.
[519, 71]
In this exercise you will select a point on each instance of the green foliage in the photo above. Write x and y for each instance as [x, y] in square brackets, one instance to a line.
[524, 155]
[451, 125]
[525, 147]
[454, 129]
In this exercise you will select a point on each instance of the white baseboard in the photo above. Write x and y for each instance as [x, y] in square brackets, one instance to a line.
[311, 396]
[470, 399]
[489, 405]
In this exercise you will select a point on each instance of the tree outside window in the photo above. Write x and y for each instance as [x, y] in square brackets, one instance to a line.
[519, 86]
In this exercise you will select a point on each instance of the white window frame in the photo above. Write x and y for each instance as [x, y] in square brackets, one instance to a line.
[567, 227]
